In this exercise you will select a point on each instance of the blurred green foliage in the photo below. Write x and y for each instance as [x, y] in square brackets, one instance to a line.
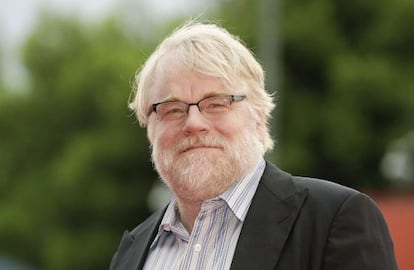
[346, 89]
[74, 165]
[75, 169]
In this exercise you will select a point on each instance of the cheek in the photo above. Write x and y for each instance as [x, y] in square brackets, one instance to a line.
[166, 139]
[162, 135]
[233, 126]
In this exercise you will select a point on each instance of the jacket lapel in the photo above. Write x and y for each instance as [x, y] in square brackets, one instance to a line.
[134, 246]
[271, 216]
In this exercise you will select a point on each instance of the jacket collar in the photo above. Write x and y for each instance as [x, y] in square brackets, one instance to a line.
[269, 221]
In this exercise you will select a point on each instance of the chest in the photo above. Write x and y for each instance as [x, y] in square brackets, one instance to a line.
[210, 245]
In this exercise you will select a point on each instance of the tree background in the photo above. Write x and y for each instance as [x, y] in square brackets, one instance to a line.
[74, 164]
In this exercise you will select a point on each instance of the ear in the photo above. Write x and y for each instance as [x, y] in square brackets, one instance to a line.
[261, 131]
[259, 118]
[150, 132]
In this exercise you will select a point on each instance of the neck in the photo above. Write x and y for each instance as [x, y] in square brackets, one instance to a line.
[188, 212]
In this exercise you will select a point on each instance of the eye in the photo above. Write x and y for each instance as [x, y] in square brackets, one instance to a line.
[171, 110]
[175, 110]
[216, 104]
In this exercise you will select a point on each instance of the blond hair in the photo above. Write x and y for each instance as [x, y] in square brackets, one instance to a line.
[211, 50]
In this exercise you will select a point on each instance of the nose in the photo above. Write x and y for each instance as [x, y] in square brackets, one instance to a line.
[195, 122]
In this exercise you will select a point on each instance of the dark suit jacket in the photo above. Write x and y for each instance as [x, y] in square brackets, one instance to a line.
[293, 223]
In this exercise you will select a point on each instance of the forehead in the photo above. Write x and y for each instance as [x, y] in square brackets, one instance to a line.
[175, 80]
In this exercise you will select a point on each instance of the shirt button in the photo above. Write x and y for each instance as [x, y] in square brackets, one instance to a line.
[197, 247]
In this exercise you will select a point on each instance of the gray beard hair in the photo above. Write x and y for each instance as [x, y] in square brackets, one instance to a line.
[200, 176]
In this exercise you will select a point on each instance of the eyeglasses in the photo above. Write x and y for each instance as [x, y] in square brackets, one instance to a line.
[210, 107]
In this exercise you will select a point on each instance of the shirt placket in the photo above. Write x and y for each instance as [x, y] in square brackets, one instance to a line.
[195, 257]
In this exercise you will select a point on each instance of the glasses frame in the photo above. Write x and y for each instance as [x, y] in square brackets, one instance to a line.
[233, 98]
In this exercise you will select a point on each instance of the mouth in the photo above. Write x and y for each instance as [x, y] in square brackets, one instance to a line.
[199, 147]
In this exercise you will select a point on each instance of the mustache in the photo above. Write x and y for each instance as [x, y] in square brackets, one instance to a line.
[206, 140]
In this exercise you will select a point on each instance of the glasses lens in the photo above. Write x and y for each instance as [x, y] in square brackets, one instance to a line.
[214, 105]
[171, 110]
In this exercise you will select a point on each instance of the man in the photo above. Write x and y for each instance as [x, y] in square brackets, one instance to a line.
[201, 96]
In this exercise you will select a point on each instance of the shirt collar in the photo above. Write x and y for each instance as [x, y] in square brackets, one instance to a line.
[238, 198]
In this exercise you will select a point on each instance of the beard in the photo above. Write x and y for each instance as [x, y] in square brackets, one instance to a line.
[203, 174]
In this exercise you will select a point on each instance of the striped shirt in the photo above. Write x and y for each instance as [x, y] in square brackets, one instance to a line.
[216, 230]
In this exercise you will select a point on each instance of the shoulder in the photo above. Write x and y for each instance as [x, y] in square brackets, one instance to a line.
[329, 196]
[320, 194]
[325, 188]
[276, 178]
[336, 221]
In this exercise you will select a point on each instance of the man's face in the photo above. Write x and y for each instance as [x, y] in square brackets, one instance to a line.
[199, 157]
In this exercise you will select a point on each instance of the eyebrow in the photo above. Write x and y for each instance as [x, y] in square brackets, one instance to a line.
[209, 94]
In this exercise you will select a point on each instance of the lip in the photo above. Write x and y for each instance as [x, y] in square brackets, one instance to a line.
[197, 147]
